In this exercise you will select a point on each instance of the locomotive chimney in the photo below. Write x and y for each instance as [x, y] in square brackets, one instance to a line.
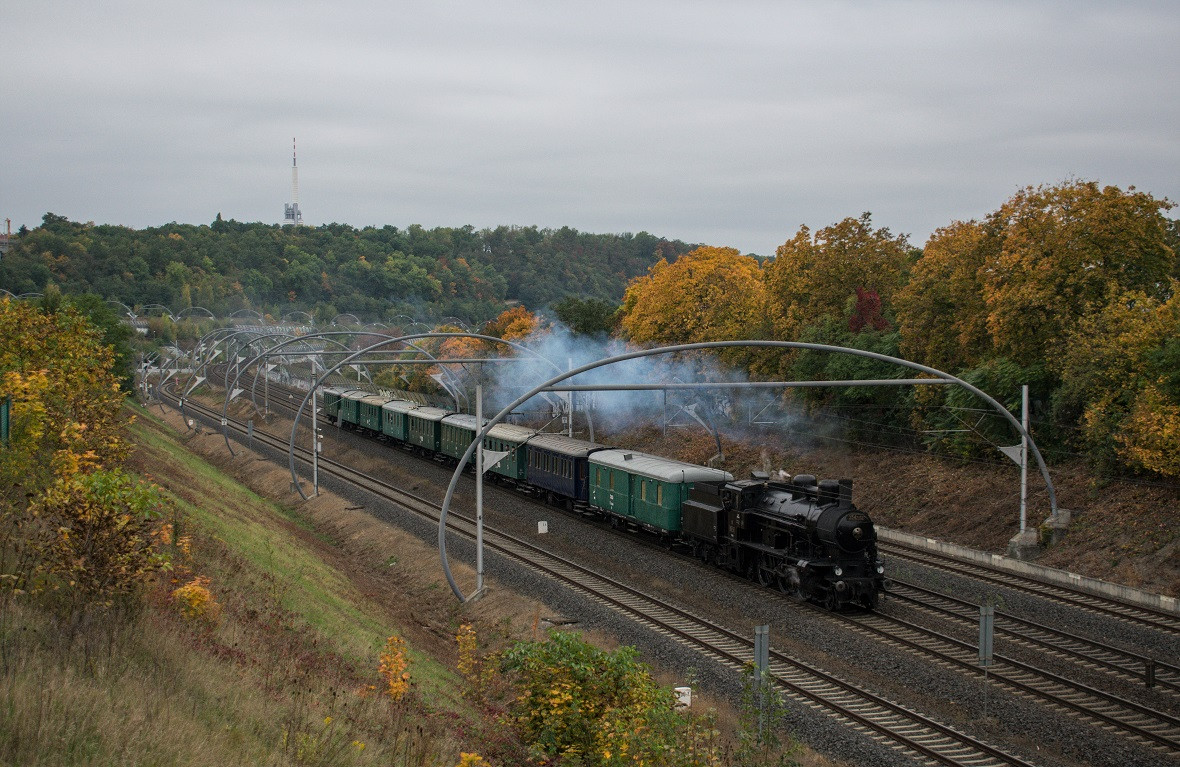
[845, 493]
[829, 491]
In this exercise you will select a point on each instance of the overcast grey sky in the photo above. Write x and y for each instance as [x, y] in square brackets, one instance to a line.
[727, 123]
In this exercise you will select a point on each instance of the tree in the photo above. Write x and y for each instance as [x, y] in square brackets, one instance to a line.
[710, 294]
[941, 312]
[66, 399]
[513, 324]
[1055, 254]
[1121, 368]
[587, 317]
[814, 277]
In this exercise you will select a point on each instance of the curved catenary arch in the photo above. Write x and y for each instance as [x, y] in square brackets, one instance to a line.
[126, 309]
[338, 319]
[180, 315]
[242, 314]
[479, 438]
[375, 347]
[295, 315]
[231, 389]
[157, 310]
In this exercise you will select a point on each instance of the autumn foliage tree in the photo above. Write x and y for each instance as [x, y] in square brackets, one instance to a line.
[1055, 254]
[815, 276]
[1121, 368]
[513, 324]
[710, 294]
[941, 310]
[72, 525]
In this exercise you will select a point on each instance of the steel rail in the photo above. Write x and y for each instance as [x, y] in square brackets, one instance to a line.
[1080, 649]
[1109, 606]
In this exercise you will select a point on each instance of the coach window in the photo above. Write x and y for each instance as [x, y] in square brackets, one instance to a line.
[659, 495]
[612, 479]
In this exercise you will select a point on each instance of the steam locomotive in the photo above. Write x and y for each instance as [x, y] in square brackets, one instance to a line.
[803, 537]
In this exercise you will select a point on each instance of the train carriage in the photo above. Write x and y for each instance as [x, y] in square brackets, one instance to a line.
[510, 438]
[645, 488]
[558, 464]
[457, 433]
[395, 419]
[332, 395]
[350, 406]
[369, 412]
[424, 428]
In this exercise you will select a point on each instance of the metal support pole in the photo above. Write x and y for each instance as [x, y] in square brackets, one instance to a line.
[762, 674]
[1023, 457]
[315, 443]
[478, 492]
[987, 619]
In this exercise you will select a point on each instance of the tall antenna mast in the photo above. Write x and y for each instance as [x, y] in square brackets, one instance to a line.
[291, 213]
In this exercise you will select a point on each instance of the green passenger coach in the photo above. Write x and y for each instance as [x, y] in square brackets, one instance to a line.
[645, 489]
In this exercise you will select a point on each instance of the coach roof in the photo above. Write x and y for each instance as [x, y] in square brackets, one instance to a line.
[655, 467]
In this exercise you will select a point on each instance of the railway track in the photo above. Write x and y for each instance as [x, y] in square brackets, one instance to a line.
[876, 717]
[1105, 606]
[1142, 724]
[1087, 653]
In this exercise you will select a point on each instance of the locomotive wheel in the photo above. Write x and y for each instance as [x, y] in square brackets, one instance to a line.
[765, 571]
[830, 601]
[783, 583]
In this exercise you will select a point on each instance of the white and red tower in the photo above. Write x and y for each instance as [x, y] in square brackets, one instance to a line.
[292, 216]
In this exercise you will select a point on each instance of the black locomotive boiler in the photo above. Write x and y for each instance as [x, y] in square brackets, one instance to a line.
[803, 537]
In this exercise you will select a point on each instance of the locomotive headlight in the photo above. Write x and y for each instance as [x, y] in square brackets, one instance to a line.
[880, 569]
[838, 571]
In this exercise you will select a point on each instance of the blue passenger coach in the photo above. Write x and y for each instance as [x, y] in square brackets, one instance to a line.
[557, 463]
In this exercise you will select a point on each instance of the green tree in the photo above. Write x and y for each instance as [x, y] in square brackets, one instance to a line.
[587, 317]
[597, 708]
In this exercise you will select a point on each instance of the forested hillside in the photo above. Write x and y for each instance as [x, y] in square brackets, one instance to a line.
[375, 273]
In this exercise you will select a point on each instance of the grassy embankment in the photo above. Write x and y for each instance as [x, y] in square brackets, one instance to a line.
[287, 674]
